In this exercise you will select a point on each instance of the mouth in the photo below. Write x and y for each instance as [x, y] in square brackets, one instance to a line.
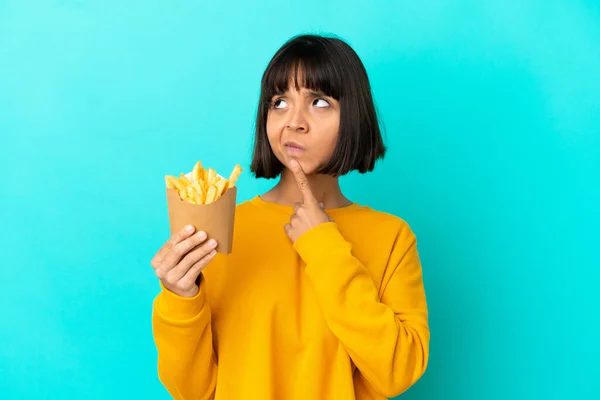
[294, 148]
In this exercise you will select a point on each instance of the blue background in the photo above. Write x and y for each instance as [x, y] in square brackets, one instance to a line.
[492, 115]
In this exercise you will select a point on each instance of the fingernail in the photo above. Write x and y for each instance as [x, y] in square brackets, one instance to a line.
[212, 242]
[212, 253]
[201, 235]
[189, 228]
[293, 163]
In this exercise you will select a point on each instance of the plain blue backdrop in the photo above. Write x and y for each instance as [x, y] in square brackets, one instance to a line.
[492, 117]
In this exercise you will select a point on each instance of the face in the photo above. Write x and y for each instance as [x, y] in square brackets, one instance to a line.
[304, 125]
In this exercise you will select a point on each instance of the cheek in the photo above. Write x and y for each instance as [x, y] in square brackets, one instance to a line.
[272, 131]
[327, 151]
[330, 141]
[274, 137]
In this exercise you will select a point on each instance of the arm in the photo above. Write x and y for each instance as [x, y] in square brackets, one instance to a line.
[387, 334]
[182, 334]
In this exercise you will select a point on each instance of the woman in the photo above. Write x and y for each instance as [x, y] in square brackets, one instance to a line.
[322, 298]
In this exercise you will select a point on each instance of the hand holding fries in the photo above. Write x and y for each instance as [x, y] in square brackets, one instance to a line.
[202, 186]
[179, 262]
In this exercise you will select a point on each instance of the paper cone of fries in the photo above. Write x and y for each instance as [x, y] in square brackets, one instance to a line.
[207, 201]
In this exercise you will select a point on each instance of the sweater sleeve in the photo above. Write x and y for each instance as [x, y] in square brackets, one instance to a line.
[385, 333]
[182, 333]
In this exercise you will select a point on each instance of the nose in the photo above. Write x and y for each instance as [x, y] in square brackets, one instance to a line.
[297, 121]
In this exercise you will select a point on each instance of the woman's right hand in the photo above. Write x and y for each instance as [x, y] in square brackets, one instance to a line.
[181, 259]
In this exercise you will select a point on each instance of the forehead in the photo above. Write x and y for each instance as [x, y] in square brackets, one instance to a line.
[294, 80]
[302, 91]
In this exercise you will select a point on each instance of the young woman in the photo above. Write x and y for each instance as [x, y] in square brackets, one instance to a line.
[322, 298]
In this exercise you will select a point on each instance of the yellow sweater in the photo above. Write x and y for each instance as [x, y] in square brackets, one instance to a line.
[341, 314]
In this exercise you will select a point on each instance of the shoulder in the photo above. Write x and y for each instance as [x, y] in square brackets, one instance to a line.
[392, 223]
[249, 207]
[374, 228]
[244, 206]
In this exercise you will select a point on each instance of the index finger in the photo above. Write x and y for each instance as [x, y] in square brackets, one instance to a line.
[173, 240]
[302, 180]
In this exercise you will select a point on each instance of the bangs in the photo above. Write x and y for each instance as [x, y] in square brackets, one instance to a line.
[303, 65]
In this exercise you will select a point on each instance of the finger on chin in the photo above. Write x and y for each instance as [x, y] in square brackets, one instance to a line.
[296, 168]
[288, 161]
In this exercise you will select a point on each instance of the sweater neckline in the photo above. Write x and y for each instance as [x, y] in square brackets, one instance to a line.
[288, 210]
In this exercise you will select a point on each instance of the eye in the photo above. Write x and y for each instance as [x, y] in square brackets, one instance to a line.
[321, 103]
[279, 103]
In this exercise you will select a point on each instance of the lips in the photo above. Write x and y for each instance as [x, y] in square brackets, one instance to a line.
[294, 145]
[293, 148]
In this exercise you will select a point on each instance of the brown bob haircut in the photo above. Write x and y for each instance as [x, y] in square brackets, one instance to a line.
[328, 65]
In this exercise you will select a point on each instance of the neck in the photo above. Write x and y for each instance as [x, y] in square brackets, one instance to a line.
[325, 188]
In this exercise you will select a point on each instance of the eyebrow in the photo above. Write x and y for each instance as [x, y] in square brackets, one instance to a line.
[317, 93]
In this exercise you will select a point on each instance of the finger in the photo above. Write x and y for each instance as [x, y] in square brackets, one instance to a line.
[302, 181]
[168, 245]
[321, 205]
[296, 207]
[179, 251]
[192, 274]
[173, 240]
[288, 230]
[189, 261]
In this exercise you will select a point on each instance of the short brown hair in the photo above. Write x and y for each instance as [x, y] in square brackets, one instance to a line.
[331, 66]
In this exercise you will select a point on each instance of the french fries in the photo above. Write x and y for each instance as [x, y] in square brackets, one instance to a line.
[202, 186]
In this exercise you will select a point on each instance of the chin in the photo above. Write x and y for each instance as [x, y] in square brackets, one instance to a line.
[308, 168]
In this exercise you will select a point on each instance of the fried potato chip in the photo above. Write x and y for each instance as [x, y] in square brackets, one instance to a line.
[175, 183]
[200, 191]
[184, 179]
[211, 195]
[237, 170]
[220, 185]
[201, 185]
[169, 182]
[212, 177]
[197, 171]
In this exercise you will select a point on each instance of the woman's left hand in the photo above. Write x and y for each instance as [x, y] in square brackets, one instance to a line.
[307, 214]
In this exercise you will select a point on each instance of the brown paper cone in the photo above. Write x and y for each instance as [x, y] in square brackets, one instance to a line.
[216, 219]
